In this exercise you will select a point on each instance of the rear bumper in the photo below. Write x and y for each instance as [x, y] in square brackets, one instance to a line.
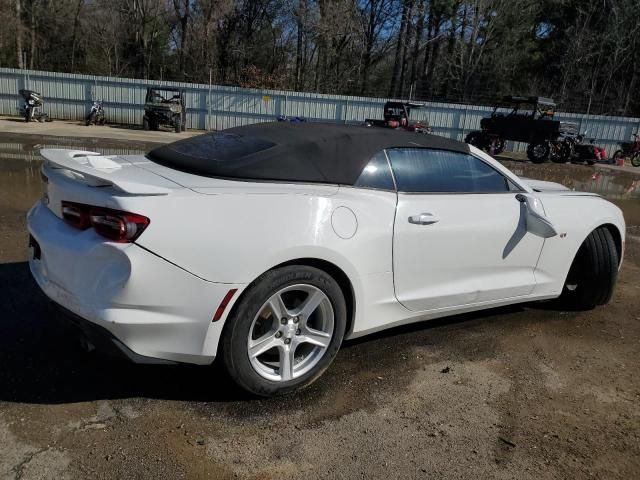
[152, 308]
[95, 337]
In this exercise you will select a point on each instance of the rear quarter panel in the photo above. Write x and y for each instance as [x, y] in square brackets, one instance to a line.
[235, 237]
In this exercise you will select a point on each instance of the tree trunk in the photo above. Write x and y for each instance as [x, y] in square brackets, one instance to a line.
[19, 34]
[368, 47]
[183, 12]
[300, 24]
[74, 36]
[400, 46]
[416, 45]
[33, 26]
[407, 43]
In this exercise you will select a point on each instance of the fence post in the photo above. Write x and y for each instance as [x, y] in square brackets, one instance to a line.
[208, 122]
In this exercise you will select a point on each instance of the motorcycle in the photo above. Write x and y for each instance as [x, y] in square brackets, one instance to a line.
[31, 108]
[96, 114]
[629, 150]
[572, 148]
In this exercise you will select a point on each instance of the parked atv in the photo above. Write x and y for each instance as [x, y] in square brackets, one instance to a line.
[96, 114]
[396, 115]
[534, 126]
[168, 111]
[630, 150]
[31, 109]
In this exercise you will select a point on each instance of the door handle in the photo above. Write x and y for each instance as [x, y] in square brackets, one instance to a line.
[424, 219]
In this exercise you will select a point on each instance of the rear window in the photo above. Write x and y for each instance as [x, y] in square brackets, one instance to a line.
[206, 154]
[376, 174]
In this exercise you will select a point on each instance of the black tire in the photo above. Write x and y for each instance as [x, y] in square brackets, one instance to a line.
[177, 125]
[538, 152]
[90, 119]
[500, 147]
[593, 273]
[635, 160]
[145, 123]
[102, 121]
[618, 154]
[477, 139]
[238, 326]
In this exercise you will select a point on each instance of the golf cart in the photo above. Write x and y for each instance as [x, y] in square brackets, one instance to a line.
[166, 110]
[530, 120]
[396, 115]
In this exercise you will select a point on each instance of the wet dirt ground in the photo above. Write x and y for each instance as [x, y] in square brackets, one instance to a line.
[524, 392]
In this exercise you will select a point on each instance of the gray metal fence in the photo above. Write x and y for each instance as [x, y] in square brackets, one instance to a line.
[69, 96]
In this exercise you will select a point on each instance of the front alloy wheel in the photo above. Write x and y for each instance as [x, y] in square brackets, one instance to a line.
[285, 330]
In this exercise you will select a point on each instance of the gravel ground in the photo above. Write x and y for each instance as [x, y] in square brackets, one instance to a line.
[526, 392]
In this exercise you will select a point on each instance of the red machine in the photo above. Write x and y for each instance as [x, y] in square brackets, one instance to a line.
[396, 115]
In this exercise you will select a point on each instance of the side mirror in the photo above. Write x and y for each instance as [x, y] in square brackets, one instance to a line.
[537, 222]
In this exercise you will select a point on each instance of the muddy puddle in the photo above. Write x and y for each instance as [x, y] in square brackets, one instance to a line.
[620, 187]
[20, 183]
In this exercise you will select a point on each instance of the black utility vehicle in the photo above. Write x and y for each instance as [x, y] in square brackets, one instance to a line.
[168, 109]
[532, 124]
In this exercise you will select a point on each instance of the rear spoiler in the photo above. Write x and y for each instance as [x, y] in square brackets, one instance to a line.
[97, 170]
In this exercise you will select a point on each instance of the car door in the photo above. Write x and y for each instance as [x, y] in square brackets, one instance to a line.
[460, 234]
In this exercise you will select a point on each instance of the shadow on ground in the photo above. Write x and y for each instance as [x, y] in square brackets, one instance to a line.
[42, 361]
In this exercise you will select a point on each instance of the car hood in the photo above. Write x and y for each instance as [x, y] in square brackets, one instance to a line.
[544, 186]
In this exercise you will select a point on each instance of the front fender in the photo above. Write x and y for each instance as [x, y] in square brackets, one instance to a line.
[574, 217]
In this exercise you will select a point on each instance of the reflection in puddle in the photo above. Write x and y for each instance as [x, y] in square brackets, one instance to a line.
[20, 183]
[613, 184]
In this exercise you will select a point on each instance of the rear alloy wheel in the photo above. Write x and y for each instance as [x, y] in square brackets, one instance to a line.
[593, 273]
[538, 152]
[285, 331]
[635, 159]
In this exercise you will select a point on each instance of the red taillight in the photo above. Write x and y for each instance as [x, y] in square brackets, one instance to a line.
[116, 225]
[76, 215]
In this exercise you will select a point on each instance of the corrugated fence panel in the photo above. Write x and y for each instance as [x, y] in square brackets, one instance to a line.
[216, 107]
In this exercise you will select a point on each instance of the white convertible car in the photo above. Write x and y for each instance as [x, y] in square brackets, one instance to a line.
[268, 245]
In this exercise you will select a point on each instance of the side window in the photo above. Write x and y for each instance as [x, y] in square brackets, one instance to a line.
[423, 170]
[376, 174]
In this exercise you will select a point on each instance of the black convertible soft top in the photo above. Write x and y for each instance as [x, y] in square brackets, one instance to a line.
[296, 152]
